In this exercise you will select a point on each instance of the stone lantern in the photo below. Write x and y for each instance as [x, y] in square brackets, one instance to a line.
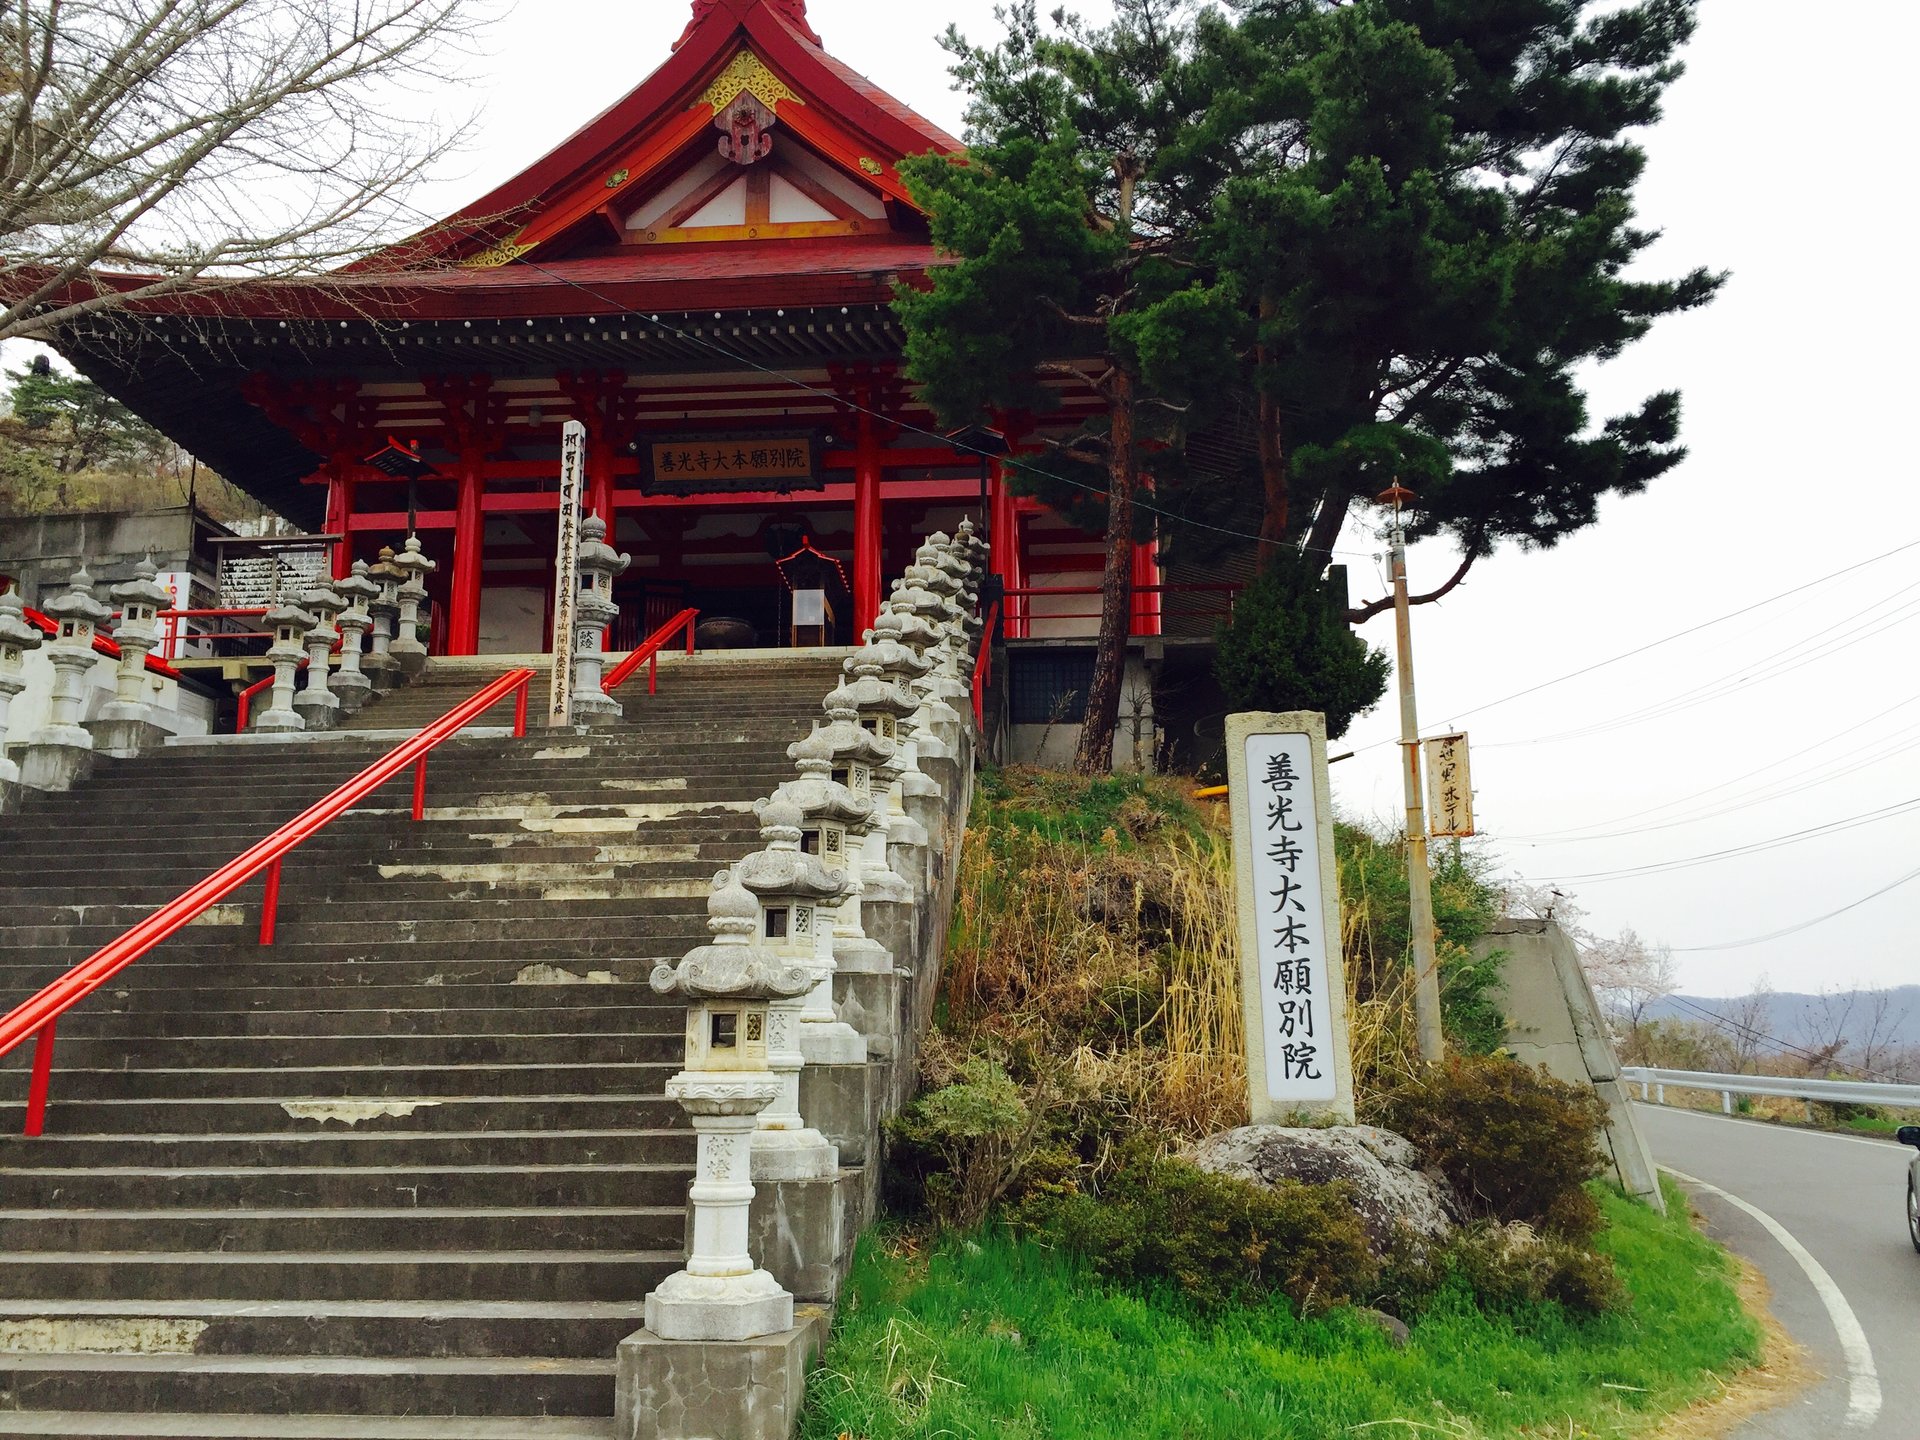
[793, 891]
[896, 668]
[126, 724]
[384, 609]
[61, 750]
[729, 984]
[936, 724]
[408, 650]
[317, 704]
[594, 611]
[17, 637]
[833, 824]
[873, 704]
[289, 624]
[351, 684]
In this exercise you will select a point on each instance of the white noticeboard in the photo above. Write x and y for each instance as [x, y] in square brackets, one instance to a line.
[1293, 974]
[573, 464]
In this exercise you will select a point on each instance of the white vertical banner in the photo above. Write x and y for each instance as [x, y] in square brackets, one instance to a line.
[1292, 970]
[1449, 786]
[566, 583]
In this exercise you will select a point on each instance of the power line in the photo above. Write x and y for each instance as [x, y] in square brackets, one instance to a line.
[1811, 1057]
[1905, 879]
[1776, 842]
[1578, 833]
[1667, 639]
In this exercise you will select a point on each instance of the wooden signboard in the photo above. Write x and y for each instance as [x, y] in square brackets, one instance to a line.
[719, 464]
[1292, 971]
[1449, 786]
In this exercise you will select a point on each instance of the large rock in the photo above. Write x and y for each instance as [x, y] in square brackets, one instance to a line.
[1391, 1193]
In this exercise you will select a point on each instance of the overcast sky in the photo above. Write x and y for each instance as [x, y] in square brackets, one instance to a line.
[1768, 725]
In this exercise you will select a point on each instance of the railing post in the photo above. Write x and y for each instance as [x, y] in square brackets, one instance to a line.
[1660, 1094]
[42, 1075]
[520, 709]
[270, 904]
[420, 788]
[1726, 1102]
[1646, 1091]
[690, 620]
[653, 673]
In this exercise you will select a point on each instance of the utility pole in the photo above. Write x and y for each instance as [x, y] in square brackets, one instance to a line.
[1426, 964]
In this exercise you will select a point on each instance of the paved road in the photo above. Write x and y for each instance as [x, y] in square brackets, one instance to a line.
[1838, 1201]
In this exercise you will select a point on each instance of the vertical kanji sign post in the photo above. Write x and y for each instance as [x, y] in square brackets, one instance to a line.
[566, 579]
[1292, 973]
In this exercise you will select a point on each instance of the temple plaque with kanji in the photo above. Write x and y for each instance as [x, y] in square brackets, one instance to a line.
[716, 463]
[1292, 972]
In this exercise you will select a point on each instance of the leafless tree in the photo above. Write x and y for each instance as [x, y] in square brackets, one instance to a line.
[1822, 1028]
[183, 140]
[1630, 976]
[1748, 1019]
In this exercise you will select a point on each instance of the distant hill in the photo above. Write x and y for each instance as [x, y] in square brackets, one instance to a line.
[1800, 1019]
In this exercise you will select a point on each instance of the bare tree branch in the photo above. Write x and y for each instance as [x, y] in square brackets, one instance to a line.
[1363, 613]
[150, 144]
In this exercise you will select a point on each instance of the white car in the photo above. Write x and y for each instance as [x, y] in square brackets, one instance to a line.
[1910, 1135]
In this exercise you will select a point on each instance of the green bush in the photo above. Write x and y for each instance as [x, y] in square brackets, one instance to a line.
[1516, 1144]
[1502, 1268]
[1289, 647]
[1164, 1223]
[957, 1150]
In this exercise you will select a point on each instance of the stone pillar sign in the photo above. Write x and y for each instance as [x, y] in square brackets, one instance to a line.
[1292, 973]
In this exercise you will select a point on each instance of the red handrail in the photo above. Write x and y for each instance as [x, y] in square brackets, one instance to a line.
[648, 653]
[983, 670]
[39, 1015]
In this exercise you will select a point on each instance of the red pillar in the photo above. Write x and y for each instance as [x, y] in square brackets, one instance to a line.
[600, 479]
[866, 528]
[469, 541]
[1003, 532]
[339, 512]
[1146, 601]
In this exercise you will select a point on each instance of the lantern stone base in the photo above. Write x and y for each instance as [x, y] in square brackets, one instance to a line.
[50, 763]
[793, 1155]
[869, 1001]
[382, 672]
[279, 722]
[352, 689]
[410, 657]
[802, 1231]
[320, 711]
[831, 1043]
[123, 737]
[844, 1104]
[686, 1390]
[718, 1307]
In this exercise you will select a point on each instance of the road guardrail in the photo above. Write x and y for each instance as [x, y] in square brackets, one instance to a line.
[1849, 1092]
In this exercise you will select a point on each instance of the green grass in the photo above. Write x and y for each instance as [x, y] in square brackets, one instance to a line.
[992, 1337]
[1074, 809]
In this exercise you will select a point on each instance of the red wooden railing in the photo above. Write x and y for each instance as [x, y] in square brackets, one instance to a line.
[983, 671]
[648, 653]
[102, 644]
[37, 1018]
[1022, 616]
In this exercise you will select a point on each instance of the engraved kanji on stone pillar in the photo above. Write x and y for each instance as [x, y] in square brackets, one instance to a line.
[728, 984]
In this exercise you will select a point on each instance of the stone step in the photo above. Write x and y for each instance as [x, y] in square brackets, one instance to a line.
[373, 1328]
[339, 1147]
[418, 1385]
[651, 1015]
[257, 1229]
[149, 1115]
[355, 1082]
[352, 1186]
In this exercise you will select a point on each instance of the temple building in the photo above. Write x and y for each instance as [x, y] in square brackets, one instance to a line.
[702, 276]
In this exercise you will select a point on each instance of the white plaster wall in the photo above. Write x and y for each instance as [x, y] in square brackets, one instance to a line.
[183, 713]
[1052, 746]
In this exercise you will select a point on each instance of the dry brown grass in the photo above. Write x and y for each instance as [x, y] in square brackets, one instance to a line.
[1115, 965]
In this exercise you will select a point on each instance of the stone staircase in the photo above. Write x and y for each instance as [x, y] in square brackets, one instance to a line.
[409, 1171]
